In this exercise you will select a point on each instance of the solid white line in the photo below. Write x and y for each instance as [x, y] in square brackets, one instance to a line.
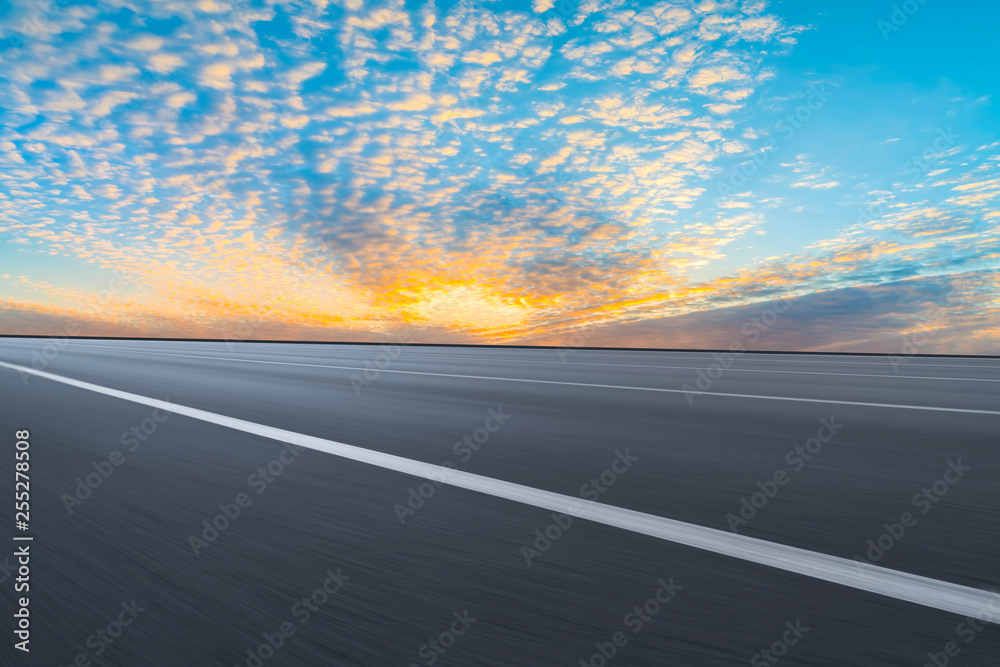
[429, 352]
[690, 368]
[762, 370]
[946, 596]
[767, 358]
[599, 386]
[751, 356]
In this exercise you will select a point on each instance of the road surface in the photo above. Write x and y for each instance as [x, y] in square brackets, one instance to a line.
[890, 466]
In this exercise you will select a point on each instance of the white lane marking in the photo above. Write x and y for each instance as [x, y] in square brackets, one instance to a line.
[761, 370]
[589, 384]
[768, 357]
[751, 356]
[689, 368]
[943, 595]
[755, 356]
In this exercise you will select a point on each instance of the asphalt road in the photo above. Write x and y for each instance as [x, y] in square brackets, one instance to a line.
[467, 570]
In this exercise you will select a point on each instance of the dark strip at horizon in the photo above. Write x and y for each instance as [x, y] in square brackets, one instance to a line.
[494, 346]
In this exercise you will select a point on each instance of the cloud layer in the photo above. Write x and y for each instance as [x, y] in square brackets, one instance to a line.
[474, 171]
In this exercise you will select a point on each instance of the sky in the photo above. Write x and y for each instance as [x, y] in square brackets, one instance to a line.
[545, 172]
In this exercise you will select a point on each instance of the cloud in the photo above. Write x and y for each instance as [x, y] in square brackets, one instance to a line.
[481, 57]
[217, 75]
[477, 172]
[164, 63]
[297, 75]
[181, 99]
[145, 42]
[418, 102]
[707, 77]
[872, 319]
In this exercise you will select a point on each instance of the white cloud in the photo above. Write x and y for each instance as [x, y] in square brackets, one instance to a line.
[181, 99]
[145, 42]
[217, 75]
[164, 63]
[303, 72]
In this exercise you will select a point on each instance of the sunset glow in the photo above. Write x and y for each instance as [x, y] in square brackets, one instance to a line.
[623, 174]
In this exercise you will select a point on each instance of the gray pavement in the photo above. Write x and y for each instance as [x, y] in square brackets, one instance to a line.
[456, 577]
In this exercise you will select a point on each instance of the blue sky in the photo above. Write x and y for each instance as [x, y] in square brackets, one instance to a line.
[500, 171]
